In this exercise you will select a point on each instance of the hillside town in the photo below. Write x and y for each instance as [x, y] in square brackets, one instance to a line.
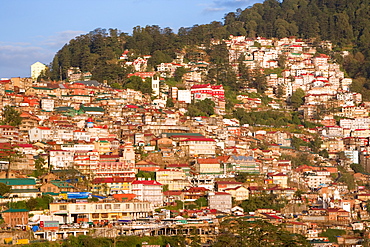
[79, 154]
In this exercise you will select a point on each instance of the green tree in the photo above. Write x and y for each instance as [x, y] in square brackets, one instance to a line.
[10, 154]
[298, 194]
[297, 143]
[259, 80]
[195, 238]
[4, 189]
[296, 99]
[201, 108]
[11, 116]
[357, 168]
[146, 175]
[159, 57]
[315, 144]
[201, 202]
[31, 204]
[241, 233]
[179, 73]
[279, 92]
[169, 102]
[332, 234]
[262, 201]
[40, 167]
[136, 83]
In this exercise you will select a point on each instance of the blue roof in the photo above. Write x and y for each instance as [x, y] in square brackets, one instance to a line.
[99, 197]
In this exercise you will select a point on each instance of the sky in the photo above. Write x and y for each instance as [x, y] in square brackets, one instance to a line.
[34, 30]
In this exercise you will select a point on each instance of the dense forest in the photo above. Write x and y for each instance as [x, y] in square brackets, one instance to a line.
[344, 22]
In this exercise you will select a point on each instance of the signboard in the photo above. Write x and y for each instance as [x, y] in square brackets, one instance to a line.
[23, 241]
[75, 195]
[49, 225]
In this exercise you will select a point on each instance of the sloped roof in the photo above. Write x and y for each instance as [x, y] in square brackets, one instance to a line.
[13, 210]
[147, 182]
[18, 181]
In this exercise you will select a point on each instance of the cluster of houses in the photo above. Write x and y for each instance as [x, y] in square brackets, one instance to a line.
[137, 155]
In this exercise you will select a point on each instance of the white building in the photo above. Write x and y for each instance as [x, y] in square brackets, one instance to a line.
[81, 135]
[355, 123]
[221, 201]
[148, 190]
[155, 86]
[184, 96]
[61, 159]
[47, 104]
[40, 134]
[97, 211]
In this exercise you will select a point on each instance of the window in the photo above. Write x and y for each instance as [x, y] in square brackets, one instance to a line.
[116, 206]
[80, 207]
[99, 206]
[62, 207]
[104, 215]
[95, 216]
[108, 206]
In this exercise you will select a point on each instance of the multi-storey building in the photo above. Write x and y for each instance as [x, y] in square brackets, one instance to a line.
[174, 178]
[208, 166]
[86, 162]
[61, 159]
[148, 190]
[101, 211]
[198, 146]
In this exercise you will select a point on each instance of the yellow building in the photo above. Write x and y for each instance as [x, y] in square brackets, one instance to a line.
[36, 69]
[208, 166]
[102, 147]
[112, 185]
[280, 179]
[239, 193]
[174, 178]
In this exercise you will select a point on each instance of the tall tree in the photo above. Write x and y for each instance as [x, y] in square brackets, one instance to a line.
[10, 154]
[297, 98]
[4, 189]
[11, 116]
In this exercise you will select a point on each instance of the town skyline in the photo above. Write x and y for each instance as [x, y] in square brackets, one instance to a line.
[290, 150]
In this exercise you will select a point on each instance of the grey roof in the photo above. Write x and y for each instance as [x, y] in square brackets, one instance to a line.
[242, 158]
[91, 83]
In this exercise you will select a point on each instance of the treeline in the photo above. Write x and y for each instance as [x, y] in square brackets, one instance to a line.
[344, 22]
[99, 50]
[271, 118]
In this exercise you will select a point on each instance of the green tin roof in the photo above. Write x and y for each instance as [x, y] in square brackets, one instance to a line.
[16, 191]
[43, 88]
[18, 181]
[182, 134]
[13, 210]
[96, 109]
